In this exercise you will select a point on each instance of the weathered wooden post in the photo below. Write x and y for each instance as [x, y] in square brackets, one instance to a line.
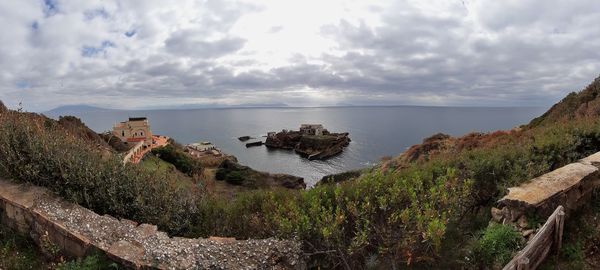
[558, 229]
[523, 263]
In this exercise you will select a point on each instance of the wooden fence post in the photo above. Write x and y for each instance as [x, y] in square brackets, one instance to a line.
[558, 229]
[523, 264]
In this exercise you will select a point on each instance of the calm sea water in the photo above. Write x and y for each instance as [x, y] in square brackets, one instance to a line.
[375, 131]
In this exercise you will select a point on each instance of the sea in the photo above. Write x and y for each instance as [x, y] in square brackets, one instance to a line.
[375, 132]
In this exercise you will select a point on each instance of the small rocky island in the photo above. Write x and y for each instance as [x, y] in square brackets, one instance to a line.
[311, 141]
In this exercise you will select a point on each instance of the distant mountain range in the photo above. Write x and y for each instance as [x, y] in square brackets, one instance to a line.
[81, 108]
[74, 109]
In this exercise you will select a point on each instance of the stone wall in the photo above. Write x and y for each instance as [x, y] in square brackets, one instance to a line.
[76, 232]
[569, 186]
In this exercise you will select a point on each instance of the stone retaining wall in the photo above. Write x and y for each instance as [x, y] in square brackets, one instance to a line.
[76, 231]
[569, 186]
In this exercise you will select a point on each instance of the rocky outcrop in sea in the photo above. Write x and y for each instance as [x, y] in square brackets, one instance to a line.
[311, 146]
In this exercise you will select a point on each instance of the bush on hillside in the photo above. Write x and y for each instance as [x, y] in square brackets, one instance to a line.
[497, 245]
[37, 150]
[182, 161]
[77, 128]
[387, 215]
[231, 176]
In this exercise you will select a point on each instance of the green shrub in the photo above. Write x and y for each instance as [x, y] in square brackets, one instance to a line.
[497, 245]
[382, 215]
[182, 161]
[231, 176]
[221, 174]
[235, 177]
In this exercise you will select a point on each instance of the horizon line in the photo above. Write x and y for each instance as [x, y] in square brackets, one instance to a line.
[288, 107]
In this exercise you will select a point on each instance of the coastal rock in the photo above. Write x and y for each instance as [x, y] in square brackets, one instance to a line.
[308, 145]
[284, 140]
[522, 222]
[237, 174]
[497, 215]
[244, 138]
[339, 177]
[252, 144]
[322, 147]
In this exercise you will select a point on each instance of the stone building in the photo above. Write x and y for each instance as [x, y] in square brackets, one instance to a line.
[312, 129]
[136, 129]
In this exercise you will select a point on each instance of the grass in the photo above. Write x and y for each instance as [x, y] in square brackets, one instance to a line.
[497, 245]
[153, 164]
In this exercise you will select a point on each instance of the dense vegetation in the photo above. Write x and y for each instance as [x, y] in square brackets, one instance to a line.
[425, 210]
[36, 149]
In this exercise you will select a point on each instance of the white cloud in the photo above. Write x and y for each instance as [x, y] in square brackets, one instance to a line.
[158, 53]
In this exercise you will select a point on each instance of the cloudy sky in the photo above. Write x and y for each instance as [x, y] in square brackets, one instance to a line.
[157, 53]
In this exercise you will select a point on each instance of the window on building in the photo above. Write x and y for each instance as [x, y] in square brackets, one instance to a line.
[123, 133]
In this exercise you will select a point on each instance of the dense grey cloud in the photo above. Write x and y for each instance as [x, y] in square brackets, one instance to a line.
[149, 53]
[184, 44]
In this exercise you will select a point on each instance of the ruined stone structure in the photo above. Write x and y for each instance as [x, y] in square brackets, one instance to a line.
[134, 130]
[77, 232]
[312, 129]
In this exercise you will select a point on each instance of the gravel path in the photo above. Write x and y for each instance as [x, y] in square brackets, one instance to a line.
[142, 245]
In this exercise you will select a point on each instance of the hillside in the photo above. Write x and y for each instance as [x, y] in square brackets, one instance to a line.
[77, 128]
[576, 105]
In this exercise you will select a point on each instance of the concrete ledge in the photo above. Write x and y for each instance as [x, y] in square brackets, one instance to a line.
[77, 232]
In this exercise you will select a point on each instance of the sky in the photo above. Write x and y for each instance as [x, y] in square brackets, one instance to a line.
[157, 54]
